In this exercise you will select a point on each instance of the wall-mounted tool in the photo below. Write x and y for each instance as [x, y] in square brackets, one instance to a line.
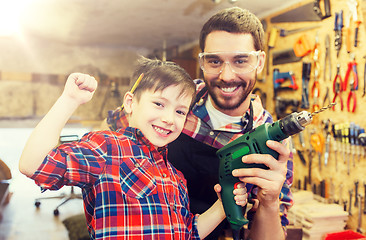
[306, 70]
[356, 192]
[338, 25]
[307, 12]
[364, 203]
[353, 84]
[301, 48]
[364, 81]
[359, 224]
[284, 107]
[338, 87]
[285, 32]
[352, 5]
[271, 44]
[327, 60]
[315, 89]
[279, 78]
[317, 142]
[262, 95]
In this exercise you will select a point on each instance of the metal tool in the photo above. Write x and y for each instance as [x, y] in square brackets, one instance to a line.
[307, 12]
[364, 78]
[350, 202]
[352, 140]
[327, 141]
[306, 70]
[356, 193]
[315, 89]
[271, 44]
[353, 83]
[347, 32]
[364, 204]
[279, 78]
[359, 226]
[338, 25]
[284, 32]
[352, 5]
[327, 60]
[317, 142]
[338, 88]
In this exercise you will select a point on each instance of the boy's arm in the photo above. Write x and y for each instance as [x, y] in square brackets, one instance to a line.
[79, 89]
[211, 218]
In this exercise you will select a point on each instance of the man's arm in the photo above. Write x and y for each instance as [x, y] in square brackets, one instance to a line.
[267, 221]
[79, 89]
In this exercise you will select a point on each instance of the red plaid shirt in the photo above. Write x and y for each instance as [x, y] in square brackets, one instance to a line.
[198, 126]
[130, 191]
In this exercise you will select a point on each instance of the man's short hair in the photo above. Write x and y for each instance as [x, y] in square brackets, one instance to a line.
[234, 20]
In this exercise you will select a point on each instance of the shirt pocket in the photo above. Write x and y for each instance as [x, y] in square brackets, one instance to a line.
[137, 179]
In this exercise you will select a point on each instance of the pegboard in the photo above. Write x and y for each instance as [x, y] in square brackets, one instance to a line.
[338, 180]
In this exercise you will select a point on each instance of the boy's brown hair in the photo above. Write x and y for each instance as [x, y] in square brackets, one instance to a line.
[234, 20]
[159, 75]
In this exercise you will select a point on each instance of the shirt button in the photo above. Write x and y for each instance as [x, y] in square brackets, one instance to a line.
[212, 133]
[164, 175]
[137, 165]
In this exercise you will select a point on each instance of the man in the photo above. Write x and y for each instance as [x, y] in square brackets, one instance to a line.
[232, 44]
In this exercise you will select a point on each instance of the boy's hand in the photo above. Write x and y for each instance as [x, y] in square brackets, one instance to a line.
[80, 87]
[240, 194]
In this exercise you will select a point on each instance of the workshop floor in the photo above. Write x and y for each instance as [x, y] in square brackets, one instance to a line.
[20, 218]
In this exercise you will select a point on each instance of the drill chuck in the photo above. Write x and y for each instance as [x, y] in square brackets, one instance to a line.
[295, 122]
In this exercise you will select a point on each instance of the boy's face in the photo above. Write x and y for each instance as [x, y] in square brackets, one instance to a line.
[160, 115]
[228, 89]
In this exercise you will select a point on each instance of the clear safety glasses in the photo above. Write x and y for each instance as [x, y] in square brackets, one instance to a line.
[239, 62]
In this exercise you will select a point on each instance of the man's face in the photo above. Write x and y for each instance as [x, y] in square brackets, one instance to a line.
[160, 115]
[229, 90]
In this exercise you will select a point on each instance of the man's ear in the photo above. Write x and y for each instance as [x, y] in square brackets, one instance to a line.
[262, 61]
[127, 102]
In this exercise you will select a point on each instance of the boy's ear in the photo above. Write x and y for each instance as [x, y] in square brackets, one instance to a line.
[127, 102]
[262, 61]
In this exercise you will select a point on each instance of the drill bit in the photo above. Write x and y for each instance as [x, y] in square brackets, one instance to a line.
[323, 109]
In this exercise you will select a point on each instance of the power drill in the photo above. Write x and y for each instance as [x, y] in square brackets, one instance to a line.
[251, 142]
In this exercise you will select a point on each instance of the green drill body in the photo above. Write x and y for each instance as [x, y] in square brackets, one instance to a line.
[252, 142]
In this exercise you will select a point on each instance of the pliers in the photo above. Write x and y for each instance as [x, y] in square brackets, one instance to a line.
[338, 87]
[338, 25]
[353, 83]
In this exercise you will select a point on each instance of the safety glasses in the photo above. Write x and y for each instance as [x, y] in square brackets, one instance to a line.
[239, 62]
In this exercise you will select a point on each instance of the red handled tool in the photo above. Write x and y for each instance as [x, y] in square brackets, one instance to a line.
[353, 83]
[338, 87]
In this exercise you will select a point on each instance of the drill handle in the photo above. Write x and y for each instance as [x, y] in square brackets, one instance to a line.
[234, 212]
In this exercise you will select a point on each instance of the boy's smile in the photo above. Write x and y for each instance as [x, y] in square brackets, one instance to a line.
[160, 115]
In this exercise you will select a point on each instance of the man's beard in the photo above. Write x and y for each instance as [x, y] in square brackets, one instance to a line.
[223, 104]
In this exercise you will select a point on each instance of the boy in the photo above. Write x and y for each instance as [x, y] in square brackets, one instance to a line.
[130, 190]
